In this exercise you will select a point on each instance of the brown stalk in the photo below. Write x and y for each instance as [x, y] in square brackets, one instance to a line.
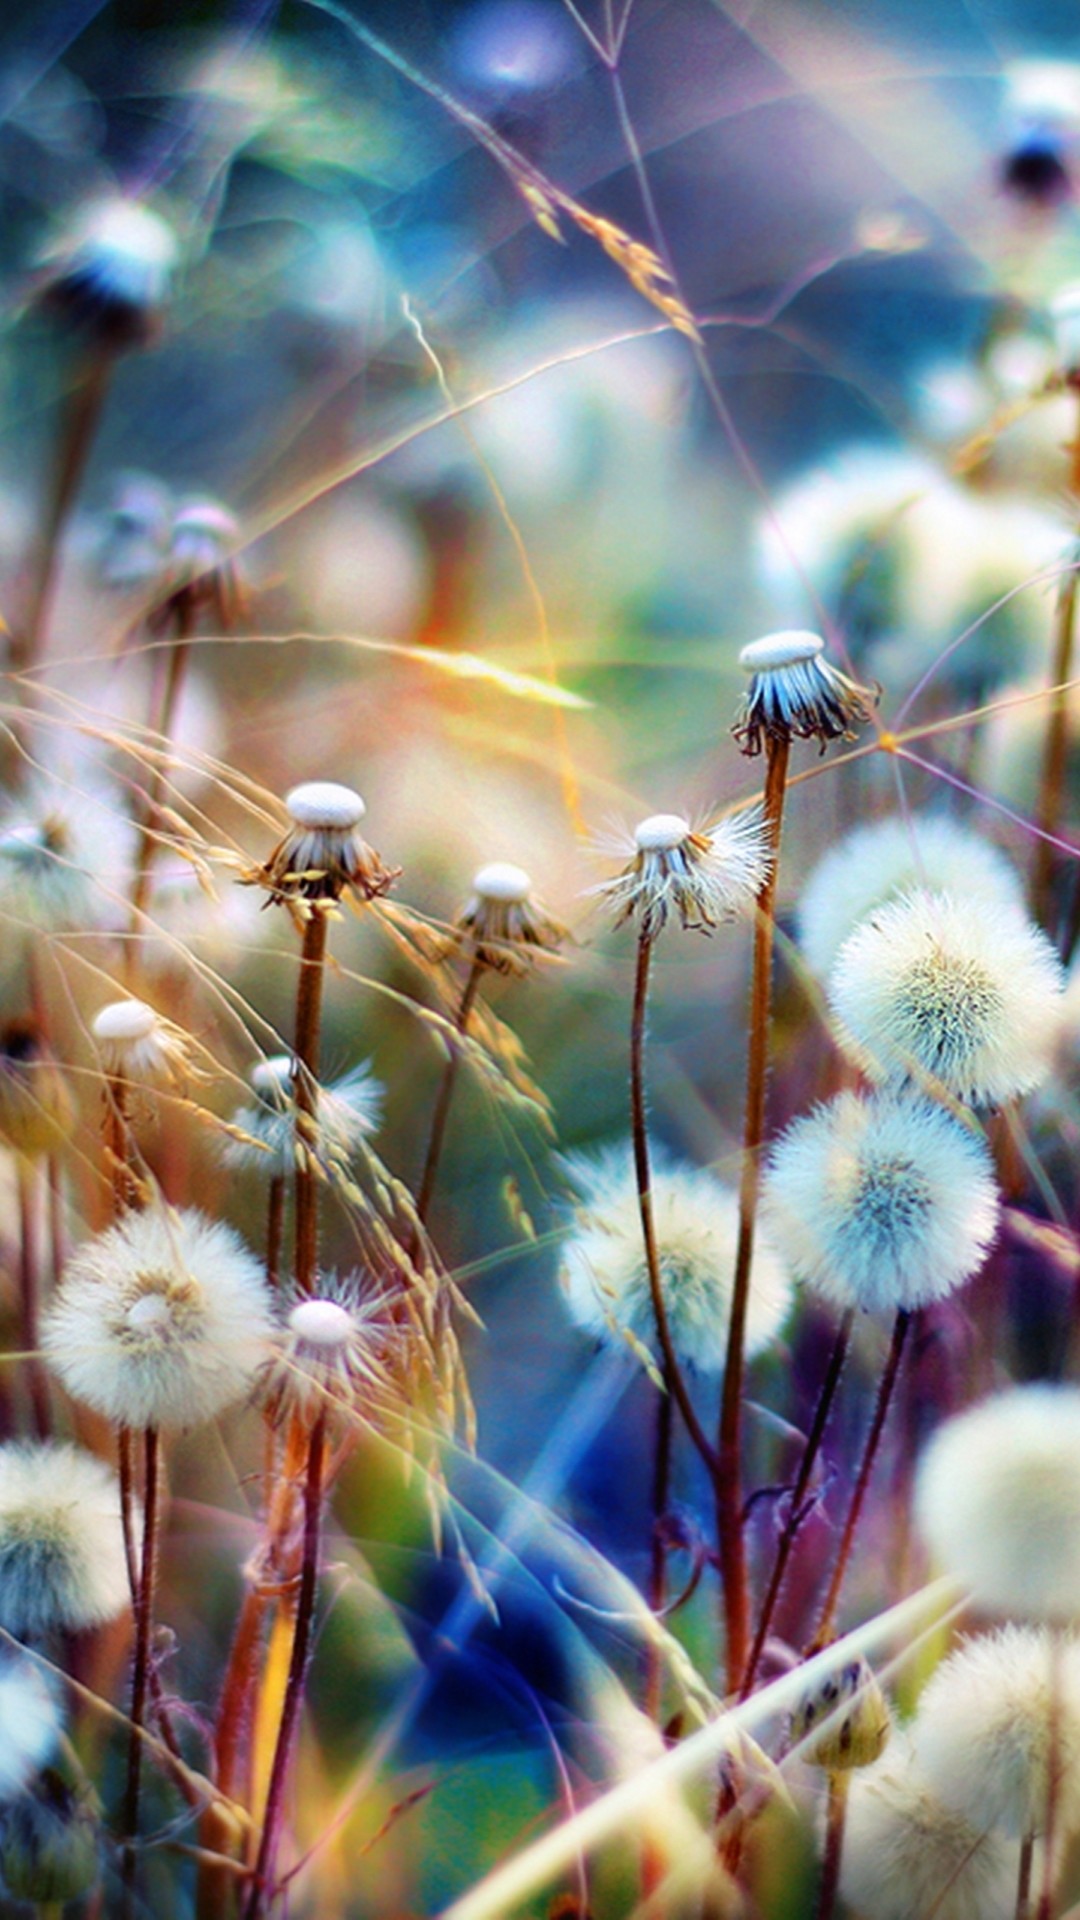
[441, 1110]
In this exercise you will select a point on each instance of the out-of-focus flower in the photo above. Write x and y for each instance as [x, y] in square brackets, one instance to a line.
[65, 855]
[30, 1720]
[502, 925]
[1042, 131]
[349, 1110]
[62, 1564]
[37, 1111]
[853, 1716]
[112, 272]
[50, 1842]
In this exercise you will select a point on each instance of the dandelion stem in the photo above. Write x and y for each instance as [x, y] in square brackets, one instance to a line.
[261, 1894]
[80, 423]
[162, 721]
[443, 1098]
[1023, 1878]
[117, 1133]
[835, 1818]
[866, 1467]
[28, 1296]
[275, 1227]
[729, 1514]
[639, 1130]
[1055, 753]
[796, 1509]
[308, 1020]
[144, 1614]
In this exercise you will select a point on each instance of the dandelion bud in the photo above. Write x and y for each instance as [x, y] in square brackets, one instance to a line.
[853, 1715]
[704, 874]
[49, 1843]
[62, 1563]
[37, 1112]
[323, 853]
[927, 988]
[998, 1716]
[331, 1350]
[997, 1500]
[265, 1136]
[796, 694]
[162, 1321]
[112, 275]
[605, 1279]
[884, 1203]
[30, 1720]
[502, 924]
[135, 1043]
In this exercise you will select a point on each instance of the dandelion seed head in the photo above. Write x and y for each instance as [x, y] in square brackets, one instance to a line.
[332, 1351]
[703, 874]
[994, 1719]
[927, 987]
[876, 863]
[885, 1203]
[30, 1721]
[62, 1564]
[998, 1502]
[502, 923]
[65, 855]
[113, 271]
[796, 693]
[136, 1043]
[907, 1855]
[323, 854]
[605, 1281]
[162, 1321]
[348, 1110]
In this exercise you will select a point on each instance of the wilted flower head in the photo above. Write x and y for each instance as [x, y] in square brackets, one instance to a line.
[348, 1110]
[796, 694]
[135, 1043]
[704, 874]
[926, 987]
[113, 271]
[883, 1203]
[907, 1855]
[998, 1719]
[331, 1351]
[605, 1280]
[998, 1502]
[853, 1715]
[502, 925]
[37, 1112]
[323, 853]
[50, 1842]
[161, 1321]
[65, 855]
[876, 863]
[30, 1720]
[62, 1564]
[200, 574]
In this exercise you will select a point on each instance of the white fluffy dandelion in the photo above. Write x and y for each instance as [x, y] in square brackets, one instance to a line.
[62, 1564]
[907, 1855]
[997, 1500]
[349, 1109]
[928, 988]
[704, 874]
[162, 1321]
[332, 1349]
[605, 1279]
[65, 855]
[998, 1715]
[876, 863]
[795, 693]
[136, 1043]
[30, 1721]
[884, 1203]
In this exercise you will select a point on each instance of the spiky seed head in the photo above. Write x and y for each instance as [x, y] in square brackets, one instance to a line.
[62, 1564]
[323, 854]
[796, 694]
[112, 274]
[332, 1352]
[843, 1721]
[37, 1111]
[875, 864]
[31, 1721]
[997, 1501]
[163, 1320]
[502, 926]
[703, 874]
[273, 1138]
[998, 1719]
[885, 1203]
[136, 1043]
[605, 1280]
[50, 1842]
[927, 990]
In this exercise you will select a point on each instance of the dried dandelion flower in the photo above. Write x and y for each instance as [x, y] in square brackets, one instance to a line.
[796, 694]
[857, 1712]
[705, 874]
[605, 1279]
[37, 1111]
[112, 273]
[884, 1203]
[997, 1500]
[50, 1842]
[502, 925]
[874, 864]
[164, 1320]
[135, 1043]
[323, 854]
[907, 1855]
[994, 1719]
[30, 1720]
[925, 986]
[62, 1564]
[331, 1351]
[65, 855]
[349, 1110]
[200, 573]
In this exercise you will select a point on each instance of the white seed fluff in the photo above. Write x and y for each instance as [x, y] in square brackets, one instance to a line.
[349, 1110]
[62, 1562]
[883, 1202]
[605, 1280]
[928, 988]
[874, 864]
[907, 1856]
[30, 1721]
[161, 1321]
[331, 1351]
[997, 1500]
[704, 874]
[994, 1719]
